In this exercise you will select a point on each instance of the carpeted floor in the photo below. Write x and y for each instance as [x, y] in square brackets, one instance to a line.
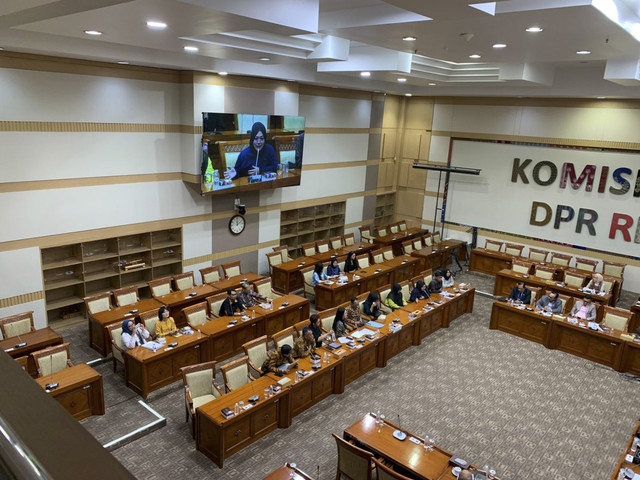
[488, 396]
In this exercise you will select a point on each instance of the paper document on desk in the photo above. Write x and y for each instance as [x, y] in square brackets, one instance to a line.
[343, 340]
[594, 326]
[152, 346]
[362, 333]
[375, 324]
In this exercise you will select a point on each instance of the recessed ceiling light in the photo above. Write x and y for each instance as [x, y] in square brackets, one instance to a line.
[264, 59]
[1, 48]
[190, 48]
[499, 45]
[534, 29]
[123, 63]
[290, 80]
[402, 80]
[600, 98]
[409, 39]
[93, 32]
[475, 55]
[155, 24]
[365, 74]
[408, 95]
[223, 74]
[583, 52]
[432, 84]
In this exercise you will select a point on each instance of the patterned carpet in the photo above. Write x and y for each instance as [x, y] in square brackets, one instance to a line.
[488, 396]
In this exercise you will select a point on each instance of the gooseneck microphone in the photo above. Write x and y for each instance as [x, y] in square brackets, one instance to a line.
[51, 386]
[398, 433]
[254, 398]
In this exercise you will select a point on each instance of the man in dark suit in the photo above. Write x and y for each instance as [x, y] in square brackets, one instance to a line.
[520, 294]
[231, 305]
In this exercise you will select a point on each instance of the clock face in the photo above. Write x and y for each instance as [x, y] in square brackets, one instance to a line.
[237, 224]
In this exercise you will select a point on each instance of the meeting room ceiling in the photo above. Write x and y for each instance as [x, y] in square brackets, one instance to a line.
[584, 48]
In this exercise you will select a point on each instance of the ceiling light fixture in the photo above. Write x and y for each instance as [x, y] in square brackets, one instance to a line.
[601, 98]
[223, 74]
[533, 29]
[156, 25]
[190, 48]
[409, 38]
[408, 95]
[402, 80]
[499, 45]
[93, 32]
[475, 55]
[583, 52]
[365, 74]
[264, 59]
[122, 62]
[432, 84]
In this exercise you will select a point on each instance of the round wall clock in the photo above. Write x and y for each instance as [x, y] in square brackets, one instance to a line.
[237, 224]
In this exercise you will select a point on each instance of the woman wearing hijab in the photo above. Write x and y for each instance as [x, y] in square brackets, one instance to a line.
[258, 158]
[318, 274]
[419, 292]
[133, 335]
[371, 305]
[597, 284]
[447, 279]
[333, 270]
[351, 264]
[395, 300]
[339, 326]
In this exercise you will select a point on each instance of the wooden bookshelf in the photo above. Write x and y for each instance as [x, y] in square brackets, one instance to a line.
[311, 224]
[72, 272]
[385, 209]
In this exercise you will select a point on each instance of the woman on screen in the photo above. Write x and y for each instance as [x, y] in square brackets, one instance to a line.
[258, 158]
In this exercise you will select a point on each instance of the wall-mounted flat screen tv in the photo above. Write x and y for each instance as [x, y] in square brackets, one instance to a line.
[242, 152]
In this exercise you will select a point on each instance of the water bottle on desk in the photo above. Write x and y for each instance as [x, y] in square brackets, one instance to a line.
[216, 178]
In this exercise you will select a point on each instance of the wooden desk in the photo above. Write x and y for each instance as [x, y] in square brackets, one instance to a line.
[176, 301]
[367, 279]
[79, 391]
[400, 340]
[438, 255]
[99, 337]
[631, 358]
[635, 320]
[286, 277]
[360, 360]
[528, 324]
[284, 473]
[282, 316]
[235, 281]
[395, 240]
[38, 340]
[489, 261]
[359, 248]
[622, 463]
[404, 267]
[218, 437]
[226, 341]
[146, 371]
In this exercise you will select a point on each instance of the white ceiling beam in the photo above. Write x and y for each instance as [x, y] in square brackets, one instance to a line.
[623, 72]
[382, 14]
[540, 74]
[331, 48]
[372, 59]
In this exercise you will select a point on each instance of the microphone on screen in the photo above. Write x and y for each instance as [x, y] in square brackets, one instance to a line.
[397, 433]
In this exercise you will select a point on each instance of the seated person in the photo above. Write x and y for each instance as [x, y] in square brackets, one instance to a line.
[318, 274]
[249, 298]
[339, 325]
[279, 361]
[435, 286]
[165, 324]
[133, 335]
[352, 314]
[419, 292]
[351, 264]
[584, 309]
[550, 303]
[395, 300]
[465, 475]
[305, 345]
[333, 270]
[447, 279]
[520, 294]
[258, 158]
[371, 305]
[596, 284]
[316, 329]
[231, 305]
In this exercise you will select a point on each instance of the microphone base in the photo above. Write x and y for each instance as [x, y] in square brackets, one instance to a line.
[254, 399]
[399, 434]
[51, 386]
[20, 345]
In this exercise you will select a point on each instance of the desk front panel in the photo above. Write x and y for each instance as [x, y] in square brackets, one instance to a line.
[280, 316]
[631, 358]
[489, 262]
[286, 277]
[235, 282]
[582, 342]
[37, 340]
[176, 301]
[522, 323]
[635, 320]
[226, 342]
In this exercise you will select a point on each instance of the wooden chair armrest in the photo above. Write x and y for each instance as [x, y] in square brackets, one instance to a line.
[69, 364]
[255, 369]
[217, 387]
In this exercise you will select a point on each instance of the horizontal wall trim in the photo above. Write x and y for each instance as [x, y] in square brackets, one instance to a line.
[540, 102]
[531, 139]
[325, 166]
[88, 182]
[212, 257]
[95, 127]
[334, 131]
[20, 299]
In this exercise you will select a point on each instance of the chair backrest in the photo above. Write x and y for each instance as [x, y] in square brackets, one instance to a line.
[613, 269]
[387, 253]
[381, 231]
[353, 462]
[196, 314]
[349, 239]
[284, 253]
[565, 301]
[336, 242]
[378, 256]
[229, 151]
[616, 318]
[560, 259]
[513, 249]
[436, 237]
[23, 362]
[407, 247]
[538, 255]
[17, 324]
[126, 296]
[385, 473]
[586, 264]
[199, 379]
[341, 261]
[427, 276]
[149, 319]
[160, 286]
[535, 294]
[545, 272]
[520, 266]
[98, 303]
[52, 359]
[394, 228]
[308, 249]
[493, 245]
[363, 260]
[274, 259]
[184, 281]
[214, 302]
[406, 290]
[231, 269]
[307, 278]
[326, 319]
[365, 234]
[236, 373]
[608, 282]
[283, 337]
[427, 240]
[115, 332]
[256, 350]
[383, 291]
[263, 287]
[575, 279]
[210, 274]
[322, 246]
[402, 224]
[417, 244]
[298, 327]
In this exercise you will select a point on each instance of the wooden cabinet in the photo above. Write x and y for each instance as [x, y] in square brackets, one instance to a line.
[310, 224]
[385, 209]
[72, 272]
